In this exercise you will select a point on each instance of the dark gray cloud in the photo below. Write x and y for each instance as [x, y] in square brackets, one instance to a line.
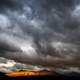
[8, 46]
[7, 4]
[44, 30]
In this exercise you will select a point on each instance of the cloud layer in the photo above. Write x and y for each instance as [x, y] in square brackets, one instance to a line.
[40, 32]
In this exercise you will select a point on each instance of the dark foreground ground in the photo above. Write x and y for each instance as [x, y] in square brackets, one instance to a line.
[71, 76]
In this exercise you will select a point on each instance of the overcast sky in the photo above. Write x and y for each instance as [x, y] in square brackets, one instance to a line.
[40, 31]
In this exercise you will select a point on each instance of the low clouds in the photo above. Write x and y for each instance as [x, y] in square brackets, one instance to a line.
[11, 66]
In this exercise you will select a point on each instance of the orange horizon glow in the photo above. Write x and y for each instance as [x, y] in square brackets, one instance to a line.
[28, 73]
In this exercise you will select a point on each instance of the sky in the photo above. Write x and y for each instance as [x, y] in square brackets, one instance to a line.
[41, 32]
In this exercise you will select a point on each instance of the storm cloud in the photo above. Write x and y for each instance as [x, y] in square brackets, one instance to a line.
[40, 31]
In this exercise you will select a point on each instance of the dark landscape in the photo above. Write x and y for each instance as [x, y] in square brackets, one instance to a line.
[56, 76]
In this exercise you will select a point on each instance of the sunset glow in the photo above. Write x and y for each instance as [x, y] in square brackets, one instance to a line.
[30, 73]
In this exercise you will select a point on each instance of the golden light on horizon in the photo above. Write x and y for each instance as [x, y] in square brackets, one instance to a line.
[28, 73]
